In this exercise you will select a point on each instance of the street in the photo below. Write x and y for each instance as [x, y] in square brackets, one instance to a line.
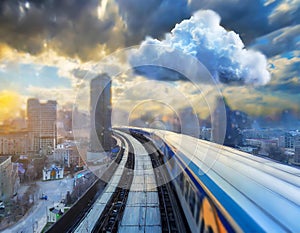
[35, 220]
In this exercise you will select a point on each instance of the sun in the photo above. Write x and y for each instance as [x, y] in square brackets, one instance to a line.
[10, 105]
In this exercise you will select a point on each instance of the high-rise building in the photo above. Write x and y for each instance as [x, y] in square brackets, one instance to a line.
[42, 126]
[225, 129]
[100, 109]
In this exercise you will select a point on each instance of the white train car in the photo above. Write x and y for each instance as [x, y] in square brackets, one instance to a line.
[225, 190]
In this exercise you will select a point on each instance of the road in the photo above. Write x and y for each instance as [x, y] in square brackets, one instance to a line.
[35, 220]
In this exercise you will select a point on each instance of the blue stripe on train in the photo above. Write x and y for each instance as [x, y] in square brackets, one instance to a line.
[246, 223]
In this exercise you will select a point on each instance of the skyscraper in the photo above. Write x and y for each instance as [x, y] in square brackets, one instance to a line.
[42, 125]
[100, 109]
[225, 130]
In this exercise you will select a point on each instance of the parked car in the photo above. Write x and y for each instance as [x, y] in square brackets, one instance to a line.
[44, 197]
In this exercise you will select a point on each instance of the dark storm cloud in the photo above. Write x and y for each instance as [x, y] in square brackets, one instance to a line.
[73, 28]
[70, 27]
[152, 17]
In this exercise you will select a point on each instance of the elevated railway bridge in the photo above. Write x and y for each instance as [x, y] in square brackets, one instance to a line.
[161, 181]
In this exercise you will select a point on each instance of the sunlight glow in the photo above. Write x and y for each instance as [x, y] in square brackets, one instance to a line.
[101, 9]
[10, 104]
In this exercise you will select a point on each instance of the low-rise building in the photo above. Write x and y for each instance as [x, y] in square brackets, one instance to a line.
[263, 143]
[54, 213]
[297, 150]
[9, 180]
[297, 155]
[67, 154]
[291, 138]
[14, 142]
[53, 173]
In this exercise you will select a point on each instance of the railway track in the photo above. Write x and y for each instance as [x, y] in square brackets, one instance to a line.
[113, 211]
[72, 218]
[115, 205]
[172, 217]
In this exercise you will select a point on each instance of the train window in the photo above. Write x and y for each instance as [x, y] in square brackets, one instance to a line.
[168, 152]
[172, 163]
[179, 180]
[197, 211]
[187, 187]
[176, 168]
[202, 226]
[192, 200]
[205, 229]
[210, 230]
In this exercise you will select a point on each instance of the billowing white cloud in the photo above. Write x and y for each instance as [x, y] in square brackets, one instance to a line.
[222, 52]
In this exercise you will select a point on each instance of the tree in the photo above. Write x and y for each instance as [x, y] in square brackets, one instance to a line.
[68, 198]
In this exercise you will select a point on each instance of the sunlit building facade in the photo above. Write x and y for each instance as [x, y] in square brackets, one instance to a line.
[13, 142]
[42, 126]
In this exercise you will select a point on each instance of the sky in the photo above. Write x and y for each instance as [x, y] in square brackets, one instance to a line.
[251, 48]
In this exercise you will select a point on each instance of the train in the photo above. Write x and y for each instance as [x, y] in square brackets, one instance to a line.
[221, 189]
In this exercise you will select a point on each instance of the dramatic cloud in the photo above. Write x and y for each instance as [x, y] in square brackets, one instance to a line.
[92, 29]
[286, 13]
[281, 93]
[73, 28]
[286, 75]
[249, 18]
[284, 40]
[55, 45]
[152, 17]
[221, 52]
[260, 102]
[252, 18]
